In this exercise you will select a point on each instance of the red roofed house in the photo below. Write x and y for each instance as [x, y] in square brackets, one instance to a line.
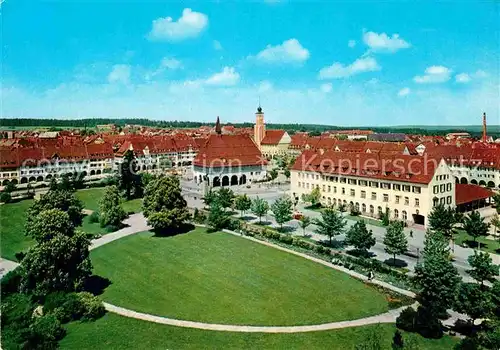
[228, 160]
[407, 186]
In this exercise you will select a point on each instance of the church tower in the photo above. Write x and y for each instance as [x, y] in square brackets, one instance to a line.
[259, 131]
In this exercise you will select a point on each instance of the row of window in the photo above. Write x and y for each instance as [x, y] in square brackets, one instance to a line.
[442, 200]
[364, 183]
[352, 193]
[443, 177]
[371, 208]
[442, 188]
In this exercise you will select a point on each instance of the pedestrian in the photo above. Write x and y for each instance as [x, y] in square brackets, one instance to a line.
[370, 275]
[411, 233]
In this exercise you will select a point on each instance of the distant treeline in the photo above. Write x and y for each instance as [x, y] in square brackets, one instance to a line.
[315, 129]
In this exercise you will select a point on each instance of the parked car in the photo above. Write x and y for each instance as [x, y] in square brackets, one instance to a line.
[298, 215]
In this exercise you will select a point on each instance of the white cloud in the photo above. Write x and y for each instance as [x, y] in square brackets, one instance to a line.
[217, 45]
[290, 51]
[265, 86]
[434, 75]
[384, 43]
[189, 25]
[326, 88]
[167, 63]
[404, 92]
[480, 74]
[338, 70]
[462, 78]
[227, 77]
[351, 43]
[120, 73]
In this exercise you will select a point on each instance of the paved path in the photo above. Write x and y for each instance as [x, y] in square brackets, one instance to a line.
[388, 317]
[135, 223]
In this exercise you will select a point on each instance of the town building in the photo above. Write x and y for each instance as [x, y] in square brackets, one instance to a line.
[228, 160]
[271, 143]
[406, 186]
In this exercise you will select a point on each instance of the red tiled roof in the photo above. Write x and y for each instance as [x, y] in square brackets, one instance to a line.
[468, 193]
[221, 150]
[273, 137]
[413, 169]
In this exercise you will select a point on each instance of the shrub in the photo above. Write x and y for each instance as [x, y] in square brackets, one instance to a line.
[111, 228]
[65, 306]
[92, 306]
[10, 283]
[20, 256]
[286, 239]
[5, 197]
[427, 324]
[94, 217]
[17, 310]
[45, 332]
[406, 320]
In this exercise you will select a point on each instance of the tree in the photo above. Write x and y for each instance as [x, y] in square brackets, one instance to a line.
[435, 276]
[50, 223]
[443, 219]
[164, 206]
[60, 264]
[483, 268]
[495, 221]
[473, 301]
[129, 181]
[209, 198]
[111, 212]
[56, 199]
[5, 197]
[395, 240]
[225, 197]
[259, 208]
[475, 226]
[304, 222]
[273, 174]
[287, 173]
[360, 237]
[218, 218]
[243, 203]
[314, 197]
[282, 210]
[331, 224]
[66, 184]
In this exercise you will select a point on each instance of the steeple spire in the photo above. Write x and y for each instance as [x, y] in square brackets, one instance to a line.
[218, 129]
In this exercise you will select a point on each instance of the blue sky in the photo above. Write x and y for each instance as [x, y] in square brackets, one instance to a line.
[339, 63]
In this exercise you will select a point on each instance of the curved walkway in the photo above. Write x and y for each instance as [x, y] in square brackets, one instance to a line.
[388, 317]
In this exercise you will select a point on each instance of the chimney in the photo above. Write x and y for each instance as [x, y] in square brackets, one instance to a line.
[484, 127]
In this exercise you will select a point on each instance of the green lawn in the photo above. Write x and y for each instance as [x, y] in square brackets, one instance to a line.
[221, 278]
[368, 221]
[91, 197]
[117, 332]
[488, 245]
[12, 219]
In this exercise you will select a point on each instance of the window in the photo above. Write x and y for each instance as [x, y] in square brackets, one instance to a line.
[416, 189]
[334, 189]
[406, 188]
[397, 199]
[407, 201]
[386, 197]
[379, 209]
[352, 182]
[435, 201]
[405, 215]
[323, 188]
[396, 187]
[374, 196]
[442, 188]
[329, 188]
[343, 190]
[448, 200]
[386, 185]
[353, 193]
[363, 194]
[436, 189]
[374, 184]
[396, 213]
[442, 200]
[363, 208]
[307, 185]
[448, 187]
[363, 182]
[343, 180]
[372, 210]
[317, 177]
[417, 202]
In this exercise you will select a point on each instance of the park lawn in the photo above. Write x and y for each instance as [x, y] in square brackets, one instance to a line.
[368, 221]
[117, 332]
[221, 278]
[12, 237]
[91, 197]
[487, 245]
